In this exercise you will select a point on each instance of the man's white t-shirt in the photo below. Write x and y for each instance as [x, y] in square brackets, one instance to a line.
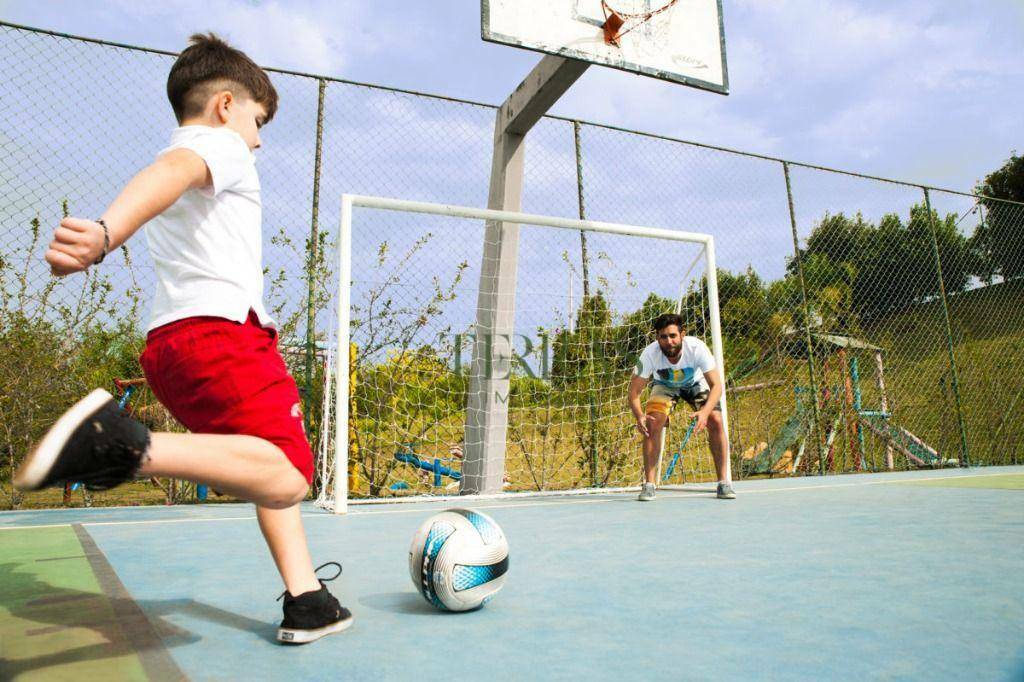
[694, 359]
[207, 247]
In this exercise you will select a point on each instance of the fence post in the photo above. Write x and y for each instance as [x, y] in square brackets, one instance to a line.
[585, 301]
[964, 455]
[311, 261]
[807, 324]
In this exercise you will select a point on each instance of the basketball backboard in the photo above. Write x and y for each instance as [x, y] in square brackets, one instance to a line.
[675, 40]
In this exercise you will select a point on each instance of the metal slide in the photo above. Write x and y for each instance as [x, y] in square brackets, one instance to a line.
[915, 449]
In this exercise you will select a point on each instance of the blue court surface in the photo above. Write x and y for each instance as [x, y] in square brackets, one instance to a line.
[914, 576]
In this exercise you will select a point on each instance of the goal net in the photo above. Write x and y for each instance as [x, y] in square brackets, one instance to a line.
[452, 371]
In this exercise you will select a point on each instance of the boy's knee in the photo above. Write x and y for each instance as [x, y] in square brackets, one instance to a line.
[291, 489]
[715, 420]
[299, 492]
[296, 489]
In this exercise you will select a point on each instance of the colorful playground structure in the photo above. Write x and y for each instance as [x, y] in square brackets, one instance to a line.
[434, 470]
[842, 414]
[435, 467]
[842, 410]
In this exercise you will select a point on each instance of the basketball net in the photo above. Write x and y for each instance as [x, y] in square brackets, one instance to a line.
[649, 16]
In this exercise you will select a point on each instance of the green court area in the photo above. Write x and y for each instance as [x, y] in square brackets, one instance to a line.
[56, 619]
[993, 481]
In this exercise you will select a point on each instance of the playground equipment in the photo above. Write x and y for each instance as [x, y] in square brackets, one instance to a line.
[436, 466]
[435, 469]
[841, 408]
[776, 456]
[916, 450]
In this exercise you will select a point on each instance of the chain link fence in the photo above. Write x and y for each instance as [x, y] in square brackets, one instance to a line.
[868, 324]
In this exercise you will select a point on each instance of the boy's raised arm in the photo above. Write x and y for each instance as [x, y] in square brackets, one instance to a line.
[78, 242]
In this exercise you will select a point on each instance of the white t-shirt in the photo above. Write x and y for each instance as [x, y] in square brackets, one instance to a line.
[694, 359]
[207, 247]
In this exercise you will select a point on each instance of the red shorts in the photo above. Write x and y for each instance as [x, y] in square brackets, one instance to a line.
[219, 376]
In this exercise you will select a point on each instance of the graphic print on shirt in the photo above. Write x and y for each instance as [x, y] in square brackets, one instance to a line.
[675, 378]
[686, 372]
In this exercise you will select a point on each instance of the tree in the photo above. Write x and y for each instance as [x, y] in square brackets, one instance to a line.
[998, 241]
[856, 271]
[839, 238]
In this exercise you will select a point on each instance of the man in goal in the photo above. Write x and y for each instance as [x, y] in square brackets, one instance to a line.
[681, 368]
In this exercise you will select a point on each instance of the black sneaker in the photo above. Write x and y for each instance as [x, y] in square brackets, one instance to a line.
[94, 443]
[311, 615]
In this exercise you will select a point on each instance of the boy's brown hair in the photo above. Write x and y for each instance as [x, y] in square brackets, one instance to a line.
[208, 65]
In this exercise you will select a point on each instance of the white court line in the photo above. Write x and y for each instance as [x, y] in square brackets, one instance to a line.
[149, 521]
[692, 495]
[45, 525]
[128, 523]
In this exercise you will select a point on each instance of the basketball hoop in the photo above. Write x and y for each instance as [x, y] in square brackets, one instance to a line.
[624, 16]
[682, 41]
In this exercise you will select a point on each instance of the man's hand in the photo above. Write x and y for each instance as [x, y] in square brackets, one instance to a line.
[76, 245]
[702, 421]
[643, 426]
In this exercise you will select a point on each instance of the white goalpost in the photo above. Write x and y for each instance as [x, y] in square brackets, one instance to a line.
[397, 404]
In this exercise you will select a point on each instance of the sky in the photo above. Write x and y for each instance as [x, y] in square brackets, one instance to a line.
[910, 89]
[904, 89]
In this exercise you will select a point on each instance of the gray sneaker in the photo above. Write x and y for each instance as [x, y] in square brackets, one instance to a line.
[646, 492]
[725, 492]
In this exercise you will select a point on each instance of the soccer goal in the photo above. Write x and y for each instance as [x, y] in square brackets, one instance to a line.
[453, 374]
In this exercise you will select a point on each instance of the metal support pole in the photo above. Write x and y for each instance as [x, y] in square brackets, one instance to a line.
[807, 323]
[311, 264]
[583, 213]
[487, 400]
[964, 455]
[586, 299]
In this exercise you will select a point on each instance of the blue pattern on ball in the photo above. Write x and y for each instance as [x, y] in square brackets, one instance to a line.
[487, 530]
[436, 538]
[467, 577]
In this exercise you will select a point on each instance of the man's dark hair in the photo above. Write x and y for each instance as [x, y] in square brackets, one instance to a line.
[209, 64]
[667, 320]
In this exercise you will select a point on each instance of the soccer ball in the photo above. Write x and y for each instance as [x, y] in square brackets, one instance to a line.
[458, 559]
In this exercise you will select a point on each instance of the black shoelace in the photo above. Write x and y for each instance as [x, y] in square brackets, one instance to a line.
[322, 580]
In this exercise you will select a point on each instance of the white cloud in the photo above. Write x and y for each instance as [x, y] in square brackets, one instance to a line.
[858, 128]
[298, 36]
[867, 84]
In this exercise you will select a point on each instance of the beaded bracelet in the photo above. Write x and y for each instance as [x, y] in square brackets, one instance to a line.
[106, 242]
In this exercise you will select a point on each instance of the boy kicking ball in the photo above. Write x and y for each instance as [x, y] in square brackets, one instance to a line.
[211, 351]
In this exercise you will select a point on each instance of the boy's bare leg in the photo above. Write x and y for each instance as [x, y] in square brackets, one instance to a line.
[283, 531]
[652, 446]
[247, 467]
